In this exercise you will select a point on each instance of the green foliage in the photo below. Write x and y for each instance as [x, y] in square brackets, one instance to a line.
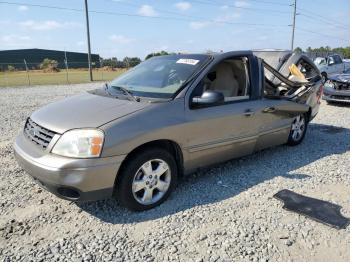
[110, 62]
[10, 68]
[49, 64]
[298, 50]
[131, 61]
[156, 54]
[125, 63]
[344, 51]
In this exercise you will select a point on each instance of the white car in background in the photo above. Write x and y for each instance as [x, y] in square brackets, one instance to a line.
[332, 64]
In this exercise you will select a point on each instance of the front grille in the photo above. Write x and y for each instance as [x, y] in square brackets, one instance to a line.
[341, 97]
[37, 134]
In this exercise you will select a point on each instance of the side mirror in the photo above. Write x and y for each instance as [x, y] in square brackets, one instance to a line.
[208, 98]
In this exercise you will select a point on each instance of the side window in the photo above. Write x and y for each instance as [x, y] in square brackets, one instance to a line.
[230, 77]
[331, 60]
[337, 59]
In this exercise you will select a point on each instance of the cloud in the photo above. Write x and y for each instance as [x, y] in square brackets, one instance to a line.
[241, 4]
[5, 22]
[228, 17]
[199, 25]
[147, 10]
[22, 8]
[120, 39]
[14, 40]
[80, 43]
[46, 25]
[218, 21]
[183, 6]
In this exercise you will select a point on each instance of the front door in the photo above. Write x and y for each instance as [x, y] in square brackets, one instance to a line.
[230, 129]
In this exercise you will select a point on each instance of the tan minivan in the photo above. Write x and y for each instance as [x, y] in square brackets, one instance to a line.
[164, 118]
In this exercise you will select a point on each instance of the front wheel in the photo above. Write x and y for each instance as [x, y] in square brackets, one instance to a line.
[147, 179]
[298, 130]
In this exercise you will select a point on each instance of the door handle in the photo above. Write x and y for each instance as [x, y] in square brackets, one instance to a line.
[269, 109]
[248, 112]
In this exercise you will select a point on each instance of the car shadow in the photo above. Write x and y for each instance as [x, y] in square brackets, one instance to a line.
[233, 177]
[339, 104]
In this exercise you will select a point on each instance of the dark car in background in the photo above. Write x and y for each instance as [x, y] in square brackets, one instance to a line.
[337, 88]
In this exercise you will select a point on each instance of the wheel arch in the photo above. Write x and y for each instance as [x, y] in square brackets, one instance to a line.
[309, 114]
[170, 145]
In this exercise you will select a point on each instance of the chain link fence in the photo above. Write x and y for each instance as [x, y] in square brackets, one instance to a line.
[28, 74]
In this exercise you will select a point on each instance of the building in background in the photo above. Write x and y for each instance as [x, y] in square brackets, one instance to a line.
[34, 57]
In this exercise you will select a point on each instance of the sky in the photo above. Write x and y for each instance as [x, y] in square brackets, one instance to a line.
[122, 28]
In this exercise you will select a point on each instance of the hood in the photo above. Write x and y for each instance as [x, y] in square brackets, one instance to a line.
[345, 78]
[321, 67]
[84, 111]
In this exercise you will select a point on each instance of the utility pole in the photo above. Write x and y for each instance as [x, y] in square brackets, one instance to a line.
[293, 30]
[88, 38]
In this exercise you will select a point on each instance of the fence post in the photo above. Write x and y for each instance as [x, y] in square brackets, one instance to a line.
[66, 63]
[25, 64]
[101, 67]
[6, 76]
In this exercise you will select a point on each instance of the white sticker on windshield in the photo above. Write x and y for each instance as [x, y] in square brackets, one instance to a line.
[187, 61]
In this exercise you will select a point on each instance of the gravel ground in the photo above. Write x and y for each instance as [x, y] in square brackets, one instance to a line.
[224, 213]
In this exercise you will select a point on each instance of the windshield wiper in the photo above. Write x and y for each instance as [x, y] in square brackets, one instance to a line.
[127, 93]
[107, 91]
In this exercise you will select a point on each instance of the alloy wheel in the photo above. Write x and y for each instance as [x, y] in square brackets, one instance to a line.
[151, 182]
[298, 127]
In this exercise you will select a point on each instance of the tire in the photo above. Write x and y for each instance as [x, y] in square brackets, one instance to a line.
[324, 77]
[147, 179]
[298, 130]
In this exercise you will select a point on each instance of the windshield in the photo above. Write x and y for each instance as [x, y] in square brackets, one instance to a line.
[320, 61]
[159, 77]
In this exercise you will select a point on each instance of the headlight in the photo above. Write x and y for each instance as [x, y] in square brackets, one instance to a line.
[80, 143]
[329, 84]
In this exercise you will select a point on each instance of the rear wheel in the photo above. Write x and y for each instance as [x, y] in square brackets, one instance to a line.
[147, 179]
[298, 130]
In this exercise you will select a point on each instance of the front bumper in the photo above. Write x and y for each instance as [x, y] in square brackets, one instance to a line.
[68, 178]
[332, 95]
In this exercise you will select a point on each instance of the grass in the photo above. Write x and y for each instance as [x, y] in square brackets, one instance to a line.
[38, 77]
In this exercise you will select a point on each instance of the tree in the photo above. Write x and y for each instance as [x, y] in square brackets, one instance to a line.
[10, 68]
[49, 65]
[131, 61]
[156, 54]
[110, 62]
[298, 50]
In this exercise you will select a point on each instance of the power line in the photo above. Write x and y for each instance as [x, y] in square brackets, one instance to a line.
[324, 21]
[310, 13]
[318, 33]
[187, 18]
[156, 9]
[258, 1]
[214, 3]
[160, 10]
[269, 2]
[138, 15]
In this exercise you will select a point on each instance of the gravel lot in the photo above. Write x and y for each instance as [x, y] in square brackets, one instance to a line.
[224, 213]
